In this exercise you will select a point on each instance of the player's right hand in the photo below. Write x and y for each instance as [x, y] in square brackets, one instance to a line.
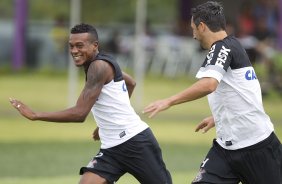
[155, 107]
[23, 109]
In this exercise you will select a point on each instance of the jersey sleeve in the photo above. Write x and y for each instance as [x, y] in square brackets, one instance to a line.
[216, 63]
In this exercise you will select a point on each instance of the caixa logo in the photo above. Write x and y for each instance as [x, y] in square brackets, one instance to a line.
[250, 75]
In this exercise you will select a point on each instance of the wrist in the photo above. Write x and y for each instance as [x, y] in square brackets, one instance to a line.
[170, 101]
[34, 116]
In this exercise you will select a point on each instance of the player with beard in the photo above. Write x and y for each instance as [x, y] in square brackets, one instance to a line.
[246, 148]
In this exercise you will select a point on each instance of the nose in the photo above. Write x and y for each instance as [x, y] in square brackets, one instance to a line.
[73, 50]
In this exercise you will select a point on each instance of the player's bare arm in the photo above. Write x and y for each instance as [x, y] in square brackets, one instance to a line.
[205, 124]
[99, 73]
[198, 90]
[130, 83]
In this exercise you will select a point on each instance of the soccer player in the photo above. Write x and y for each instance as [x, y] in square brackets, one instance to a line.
[246, 148]
[127, 143]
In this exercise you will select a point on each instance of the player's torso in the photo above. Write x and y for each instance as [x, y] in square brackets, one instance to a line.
[114, 115]
[237, 103]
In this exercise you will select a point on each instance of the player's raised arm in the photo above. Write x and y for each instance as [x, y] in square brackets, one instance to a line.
[98, 74]
[198, 90]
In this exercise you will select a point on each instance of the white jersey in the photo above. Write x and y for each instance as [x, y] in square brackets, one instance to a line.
[114, 115]
[236, 104]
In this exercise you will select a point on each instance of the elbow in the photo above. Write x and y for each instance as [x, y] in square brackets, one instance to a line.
[211, 85]
[80, 118]
[79, 113]
[132, 84]
[210, 89]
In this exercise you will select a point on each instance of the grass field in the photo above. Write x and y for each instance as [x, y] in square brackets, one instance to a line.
[41, 152]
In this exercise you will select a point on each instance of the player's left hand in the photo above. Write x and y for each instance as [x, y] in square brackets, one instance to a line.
[95, 134]
[205, 124]
[23, 109]
[156, 107]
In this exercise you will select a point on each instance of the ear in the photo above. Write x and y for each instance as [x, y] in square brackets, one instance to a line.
[202, 27]
[95, 45]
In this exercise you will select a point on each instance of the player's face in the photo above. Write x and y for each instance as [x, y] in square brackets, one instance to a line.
[194, 29]
[198, 33]
[81, 48]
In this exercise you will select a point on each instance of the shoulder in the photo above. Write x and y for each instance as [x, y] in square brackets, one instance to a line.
[100, 70]
[98, 65]
[231, 42]
[220, 46]
[106, 57]
[113, 63]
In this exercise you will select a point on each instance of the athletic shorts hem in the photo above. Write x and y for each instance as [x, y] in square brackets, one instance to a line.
[86, 169]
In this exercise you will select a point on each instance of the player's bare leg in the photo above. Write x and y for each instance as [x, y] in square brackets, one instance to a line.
[92, 178]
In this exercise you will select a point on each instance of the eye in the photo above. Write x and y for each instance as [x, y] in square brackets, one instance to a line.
[79, 46]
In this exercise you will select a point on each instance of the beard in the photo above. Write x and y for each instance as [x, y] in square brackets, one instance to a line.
[203, 46]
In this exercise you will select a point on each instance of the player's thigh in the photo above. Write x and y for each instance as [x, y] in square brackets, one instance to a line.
[215, 168]
[92, 178]
[261, 165]
[143, 159]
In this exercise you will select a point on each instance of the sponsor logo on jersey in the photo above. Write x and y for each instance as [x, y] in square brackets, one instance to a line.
[199, 176]
[122, 134]
[222, 56]
[92, 163]
[124, 87]
[210, 55]
[204, 162]
[250, 75]
[100, 154]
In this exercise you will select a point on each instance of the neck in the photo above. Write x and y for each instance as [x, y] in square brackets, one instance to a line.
[213, 37]
[94, 55]
[87, 63]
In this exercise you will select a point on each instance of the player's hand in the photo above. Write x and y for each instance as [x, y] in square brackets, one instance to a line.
[205, 125]
[23, 109]
[95, 134]
[156, 107]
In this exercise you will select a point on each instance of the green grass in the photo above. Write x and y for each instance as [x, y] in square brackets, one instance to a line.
[42, 152]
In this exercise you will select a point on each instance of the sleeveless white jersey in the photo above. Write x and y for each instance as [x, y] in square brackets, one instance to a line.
[236, 104]
[115, 117]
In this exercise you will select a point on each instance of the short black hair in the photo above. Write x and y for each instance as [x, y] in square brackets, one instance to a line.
[211, 13]
[85, 28]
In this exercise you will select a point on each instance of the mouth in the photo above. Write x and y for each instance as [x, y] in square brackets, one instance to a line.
[77, 58]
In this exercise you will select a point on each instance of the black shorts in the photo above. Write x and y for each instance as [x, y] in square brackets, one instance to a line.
[140, 156]
[257, 164]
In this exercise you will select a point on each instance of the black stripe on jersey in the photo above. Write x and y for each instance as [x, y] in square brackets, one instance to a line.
[110, 59]
[227, 53]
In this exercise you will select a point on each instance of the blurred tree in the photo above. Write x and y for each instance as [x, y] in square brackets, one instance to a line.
[48, 10]
[98, 11]
[6, 9]
[108, 11]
